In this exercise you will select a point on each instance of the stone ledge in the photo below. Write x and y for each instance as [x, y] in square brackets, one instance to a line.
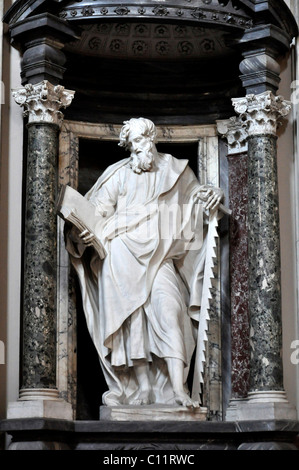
[54, 434]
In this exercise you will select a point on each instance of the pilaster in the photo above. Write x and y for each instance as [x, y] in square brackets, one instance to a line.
[39, 396]
[234, 132]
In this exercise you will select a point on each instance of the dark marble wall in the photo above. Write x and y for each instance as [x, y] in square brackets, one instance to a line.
[39, 313]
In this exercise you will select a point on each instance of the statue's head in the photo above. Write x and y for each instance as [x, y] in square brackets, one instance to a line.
[137, 127]
[138, 135]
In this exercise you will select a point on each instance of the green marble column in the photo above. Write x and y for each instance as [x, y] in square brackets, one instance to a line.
[40, 259]
[260, 114]
[41, 103]
[264, 265]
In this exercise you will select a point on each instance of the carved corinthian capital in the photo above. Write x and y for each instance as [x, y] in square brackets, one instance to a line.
[235, 132]
[42, 101]
[261, 113]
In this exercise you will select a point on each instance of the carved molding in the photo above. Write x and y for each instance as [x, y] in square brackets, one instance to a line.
[261, 113]
[235, 132]
[42, 101]
[225, 14]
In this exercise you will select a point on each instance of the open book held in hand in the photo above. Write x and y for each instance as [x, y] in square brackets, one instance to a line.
[75, 208]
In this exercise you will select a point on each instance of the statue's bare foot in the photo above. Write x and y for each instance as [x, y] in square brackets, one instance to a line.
[183, 399]
[143, 398]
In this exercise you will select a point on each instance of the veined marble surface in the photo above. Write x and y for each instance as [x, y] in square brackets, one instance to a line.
[264, 265]
[39, 315]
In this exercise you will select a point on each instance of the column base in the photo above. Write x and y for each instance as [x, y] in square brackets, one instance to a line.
[264, 406]
[232, 409]
[40, 403]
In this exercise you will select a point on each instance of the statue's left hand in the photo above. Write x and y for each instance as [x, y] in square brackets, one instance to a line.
[211, 196]
[87, 237]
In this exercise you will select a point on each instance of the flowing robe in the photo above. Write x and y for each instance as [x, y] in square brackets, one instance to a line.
[142, 301]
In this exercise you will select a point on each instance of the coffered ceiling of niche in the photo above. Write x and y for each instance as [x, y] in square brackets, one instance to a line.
[150, 41]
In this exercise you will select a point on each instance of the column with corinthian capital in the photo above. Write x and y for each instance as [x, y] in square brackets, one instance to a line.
[39, 396]
[267, 399]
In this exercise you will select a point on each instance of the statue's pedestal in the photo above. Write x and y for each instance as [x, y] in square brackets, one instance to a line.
[152, 413]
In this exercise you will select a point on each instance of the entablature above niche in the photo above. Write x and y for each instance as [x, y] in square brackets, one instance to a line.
[231, 15]
[228, 14]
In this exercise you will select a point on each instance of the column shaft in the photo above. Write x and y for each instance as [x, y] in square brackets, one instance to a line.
[238, 203]
[234, 131]
[40, 254]
[264, 265]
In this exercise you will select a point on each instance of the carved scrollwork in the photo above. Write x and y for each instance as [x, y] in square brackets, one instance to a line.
[262, 113]
[42, 102]
[235, 132]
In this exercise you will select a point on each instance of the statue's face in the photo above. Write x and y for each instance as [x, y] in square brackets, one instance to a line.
[138, 143]
[142, 151]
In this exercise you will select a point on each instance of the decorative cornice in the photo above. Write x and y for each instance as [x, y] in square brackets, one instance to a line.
[261, 113]
[235, 132]
[208, 12]
[42, 101]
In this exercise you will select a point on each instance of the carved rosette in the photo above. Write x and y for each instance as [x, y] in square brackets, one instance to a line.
[42, 101]
[261, 113]
[235, 132]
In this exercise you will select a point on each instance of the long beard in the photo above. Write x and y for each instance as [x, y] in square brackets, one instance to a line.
[143, 161]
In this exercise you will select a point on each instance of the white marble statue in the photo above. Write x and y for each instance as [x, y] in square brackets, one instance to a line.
[142, 301]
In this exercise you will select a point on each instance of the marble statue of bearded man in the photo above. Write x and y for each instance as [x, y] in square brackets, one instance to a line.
[142, 301]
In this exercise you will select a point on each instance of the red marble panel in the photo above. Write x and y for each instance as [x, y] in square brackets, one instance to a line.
[240, 348]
